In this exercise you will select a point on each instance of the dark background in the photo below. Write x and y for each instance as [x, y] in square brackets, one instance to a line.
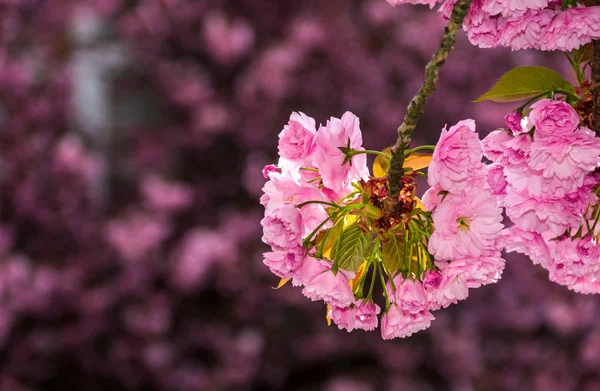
[132, 138]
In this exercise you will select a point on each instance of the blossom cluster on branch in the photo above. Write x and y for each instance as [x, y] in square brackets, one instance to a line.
[326, 222]
[525, 24]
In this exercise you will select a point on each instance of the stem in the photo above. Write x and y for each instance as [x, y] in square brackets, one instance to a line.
[417, 149]
[595, 87]
[416, 107]
[367, 151]
[317, 202]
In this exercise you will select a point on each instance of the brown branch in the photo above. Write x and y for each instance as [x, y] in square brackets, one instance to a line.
[595, 88]
[417, 105]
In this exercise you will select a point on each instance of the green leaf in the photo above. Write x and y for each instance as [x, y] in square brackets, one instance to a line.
[352, 247]
[526, 82]
[393, 252]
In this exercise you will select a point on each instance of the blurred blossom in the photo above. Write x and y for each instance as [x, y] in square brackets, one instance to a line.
[134, 236]
[163, 196]
[226, 40]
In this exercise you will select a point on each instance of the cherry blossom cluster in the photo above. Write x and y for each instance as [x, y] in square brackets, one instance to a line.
[544, 173]
[525, 24]
[330, 232]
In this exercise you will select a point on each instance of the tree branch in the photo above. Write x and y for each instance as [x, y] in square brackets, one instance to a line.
[416, 106]
[595, 88]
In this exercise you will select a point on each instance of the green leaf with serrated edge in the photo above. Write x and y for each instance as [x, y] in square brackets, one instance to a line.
[351, 249]
[526, 82]
[329, 239]
[393, 252]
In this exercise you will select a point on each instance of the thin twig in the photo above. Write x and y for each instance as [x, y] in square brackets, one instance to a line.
[416, 106]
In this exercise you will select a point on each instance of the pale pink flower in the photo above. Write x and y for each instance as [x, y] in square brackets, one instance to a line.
[550, 214]
[525, 31]
[283, 228]
[366, 315]
[512, 8]
[456, 161]
[553, 118]
[329, 159]
[284, 263]
[513, 122]
[410, 295]
[529, 243]
[360, 315]
[397, 323]
[298, 138]
[451, 288]
[432, 197]
[333, 288]
[576, 264]
[465, 225]
[496, 180]
[572, 28]
[565, 161]
[283, 190]
[480, 271]
[308, 269]
[493, 144]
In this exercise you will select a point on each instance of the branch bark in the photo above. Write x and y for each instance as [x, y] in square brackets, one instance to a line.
[416, 107]
[595, 88]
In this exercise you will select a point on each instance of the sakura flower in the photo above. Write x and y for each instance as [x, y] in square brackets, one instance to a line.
[298, 138]
[493, 144]
[447, 287]
[513, 122]
[465, 225]
[572, 28]
[410, 295]
[456, 161]
[512, 8]
[333, 288]
[360, 315]
[397, 323]
[553, 118]
[283, 228]
[340, 133]
[524, 31]
[575, 264]
[284, 263]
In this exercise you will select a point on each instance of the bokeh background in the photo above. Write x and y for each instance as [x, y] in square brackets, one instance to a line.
[132, 137]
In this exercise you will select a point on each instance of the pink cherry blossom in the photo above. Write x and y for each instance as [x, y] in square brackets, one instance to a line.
[298, 138]
[493, 144]
[360, 315]
[465, 225]
[572, 28]
[333, 288]
[524, 31]
[340, 133]
[284, 263]
[456, 161]
[513, 122]
[396, 323]
[512, 7]
[432, 197]
[283, 228]
[410, 295]
[553, 118]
